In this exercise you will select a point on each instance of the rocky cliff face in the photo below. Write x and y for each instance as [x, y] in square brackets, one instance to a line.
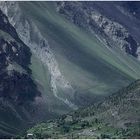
[91, 16]
[17, 89]
[32, 37]
[14, 64]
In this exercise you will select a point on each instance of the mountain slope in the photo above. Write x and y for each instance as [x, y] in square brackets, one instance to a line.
[116, 117]
[72, 65]
[17, 88]
[61, 45]
[120, 30]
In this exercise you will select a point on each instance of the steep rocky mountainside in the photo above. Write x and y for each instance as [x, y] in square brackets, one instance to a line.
[115, 117]
[17, 89]
[70, 79]
[112, 28]
[59, 56]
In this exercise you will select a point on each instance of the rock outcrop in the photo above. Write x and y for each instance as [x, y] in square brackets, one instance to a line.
[18, 91]
[88, 16]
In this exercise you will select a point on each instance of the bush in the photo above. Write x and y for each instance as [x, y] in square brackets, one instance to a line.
[65, 128]
[105, 136]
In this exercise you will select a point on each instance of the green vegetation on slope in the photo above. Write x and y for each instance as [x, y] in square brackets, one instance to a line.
[116, 117]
